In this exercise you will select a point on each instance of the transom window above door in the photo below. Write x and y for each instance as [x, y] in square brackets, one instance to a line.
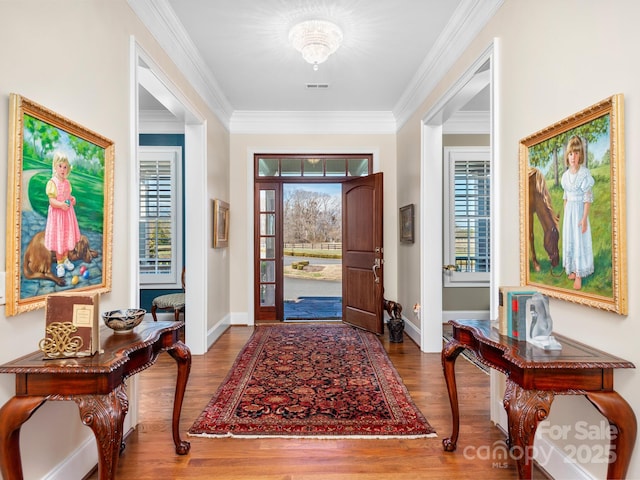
[322, 165]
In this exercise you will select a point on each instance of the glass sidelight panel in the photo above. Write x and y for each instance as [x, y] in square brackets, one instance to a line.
[266, 268]
[267, 280]
[267, 200]
[267, 295]
[267, 224]
[267, 271]
[267, 247]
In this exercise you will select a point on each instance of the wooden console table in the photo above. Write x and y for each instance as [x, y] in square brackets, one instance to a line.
[534, 376]
[96, 384]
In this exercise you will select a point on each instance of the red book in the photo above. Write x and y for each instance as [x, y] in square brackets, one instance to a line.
[516, 313]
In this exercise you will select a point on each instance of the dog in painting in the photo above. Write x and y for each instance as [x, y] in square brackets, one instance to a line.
[38, 258]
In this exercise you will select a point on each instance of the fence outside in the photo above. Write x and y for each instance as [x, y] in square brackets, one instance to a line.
[314, 246]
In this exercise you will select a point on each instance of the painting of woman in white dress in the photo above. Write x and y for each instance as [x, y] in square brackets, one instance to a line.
[577, 183]
[573, 235]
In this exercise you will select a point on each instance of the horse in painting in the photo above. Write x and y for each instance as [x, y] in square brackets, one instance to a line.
[540, 205]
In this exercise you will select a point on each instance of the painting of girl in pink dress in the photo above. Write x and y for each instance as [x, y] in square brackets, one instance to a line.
[62, 232]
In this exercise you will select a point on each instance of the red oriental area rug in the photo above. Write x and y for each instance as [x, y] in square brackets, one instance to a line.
[320, 381]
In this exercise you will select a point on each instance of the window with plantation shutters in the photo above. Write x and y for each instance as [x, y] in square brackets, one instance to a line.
[160, 216]
[467, 216]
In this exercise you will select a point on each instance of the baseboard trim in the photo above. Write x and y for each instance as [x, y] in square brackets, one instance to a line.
[556, 463]
[412, 331]
[240, 318]
[465, 314]
[83, 459]
[217, 330]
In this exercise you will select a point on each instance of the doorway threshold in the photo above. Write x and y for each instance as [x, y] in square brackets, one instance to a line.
[310, 308]
[312, 320]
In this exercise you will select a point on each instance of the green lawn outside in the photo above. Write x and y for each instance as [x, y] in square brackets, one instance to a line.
[312, 252]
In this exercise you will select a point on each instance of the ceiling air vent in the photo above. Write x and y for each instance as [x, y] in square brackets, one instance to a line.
[317, 86]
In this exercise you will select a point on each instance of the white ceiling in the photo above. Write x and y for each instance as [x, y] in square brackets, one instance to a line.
[393, 53]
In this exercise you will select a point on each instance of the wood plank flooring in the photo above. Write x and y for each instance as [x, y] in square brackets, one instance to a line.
[150, 454]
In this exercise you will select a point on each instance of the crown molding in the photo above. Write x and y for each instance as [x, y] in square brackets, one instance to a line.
[465, 24]
[159, 121]
[470, 17]
[468, 123]
[161, 21]
[312, 122]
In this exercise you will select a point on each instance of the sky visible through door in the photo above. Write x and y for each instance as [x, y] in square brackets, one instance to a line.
[312, 237]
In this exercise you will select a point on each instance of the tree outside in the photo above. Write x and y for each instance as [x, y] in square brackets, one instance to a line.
[312, 228]
[312, 213]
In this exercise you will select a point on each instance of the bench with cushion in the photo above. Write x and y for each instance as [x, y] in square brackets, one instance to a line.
[171, 301]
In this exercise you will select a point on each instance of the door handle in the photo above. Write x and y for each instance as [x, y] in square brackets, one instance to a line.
[376, 266]
[450, 268]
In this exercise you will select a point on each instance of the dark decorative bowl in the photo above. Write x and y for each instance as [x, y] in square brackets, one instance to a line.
[123, 321]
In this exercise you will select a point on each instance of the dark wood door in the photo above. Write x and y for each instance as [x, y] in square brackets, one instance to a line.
[362, 253]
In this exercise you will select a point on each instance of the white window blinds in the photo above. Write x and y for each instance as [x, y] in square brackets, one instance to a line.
[159, 215]
[468, 241]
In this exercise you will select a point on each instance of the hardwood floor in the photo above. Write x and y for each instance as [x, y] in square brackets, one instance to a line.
[150, 454]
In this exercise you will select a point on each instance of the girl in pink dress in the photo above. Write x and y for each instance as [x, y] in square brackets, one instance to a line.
[62, 232]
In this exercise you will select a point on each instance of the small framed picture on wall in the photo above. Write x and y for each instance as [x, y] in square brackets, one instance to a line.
[406, 224]
[220, 224]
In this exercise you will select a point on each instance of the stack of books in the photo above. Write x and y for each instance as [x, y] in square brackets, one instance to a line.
[512, 311]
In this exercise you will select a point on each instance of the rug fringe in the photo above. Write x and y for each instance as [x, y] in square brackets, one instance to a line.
[317, 437]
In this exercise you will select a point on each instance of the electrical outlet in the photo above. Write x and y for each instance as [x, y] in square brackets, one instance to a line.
[3, 298]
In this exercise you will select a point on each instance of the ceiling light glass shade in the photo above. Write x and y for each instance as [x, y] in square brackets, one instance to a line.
[316, 40]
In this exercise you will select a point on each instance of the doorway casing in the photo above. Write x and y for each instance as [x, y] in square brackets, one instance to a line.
[272, 173]
[147, 73]
[431, 279]
[431, 191]
[248, 318]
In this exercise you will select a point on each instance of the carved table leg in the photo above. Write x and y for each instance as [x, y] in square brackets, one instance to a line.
[620, 415]
[12, 415]
[182, 355]
[449, 354]
[525, 409]
[104, 414]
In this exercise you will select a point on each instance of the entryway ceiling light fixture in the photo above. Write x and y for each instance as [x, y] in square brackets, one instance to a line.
[316, 40]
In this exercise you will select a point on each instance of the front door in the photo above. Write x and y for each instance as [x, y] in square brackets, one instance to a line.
[271, 173]
[362, 253]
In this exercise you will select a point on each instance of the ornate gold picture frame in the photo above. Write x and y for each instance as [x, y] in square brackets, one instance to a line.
[547, 243]
[40, 141]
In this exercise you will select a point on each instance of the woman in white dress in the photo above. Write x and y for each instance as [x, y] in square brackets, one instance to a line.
[577, 182]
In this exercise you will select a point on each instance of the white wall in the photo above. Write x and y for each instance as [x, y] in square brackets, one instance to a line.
[557, 58]
[72, 56]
